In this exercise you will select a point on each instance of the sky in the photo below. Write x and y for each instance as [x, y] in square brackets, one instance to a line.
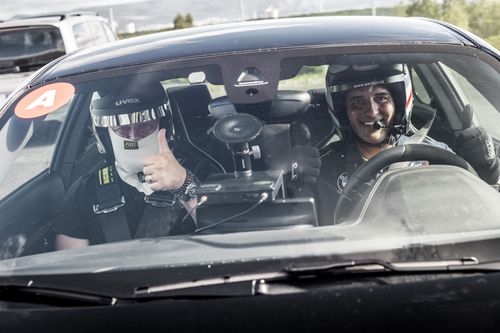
[158, 12]
[9, 8]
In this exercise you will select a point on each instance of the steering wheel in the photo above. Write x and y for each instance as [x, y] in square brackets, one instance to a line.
[360, 180]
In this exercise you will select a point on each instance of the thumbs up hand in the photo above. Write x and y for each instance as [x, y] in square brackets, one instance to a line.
[162, 171]
[305, 164]
[476, 146]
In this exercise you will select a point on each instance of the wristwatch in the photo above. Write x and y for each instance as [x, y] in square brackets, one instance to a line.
[188, 189]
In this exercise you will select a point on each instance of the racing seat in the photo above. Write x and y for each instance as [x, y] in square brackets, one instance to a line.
[288, 106]
[192, 102]
[422, 113]
[319, 119]
[192, 120]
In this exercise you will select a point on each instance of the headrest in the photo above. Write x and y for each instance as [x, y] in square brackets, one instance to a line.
[192, 100]
[286, 105]
[318, 96]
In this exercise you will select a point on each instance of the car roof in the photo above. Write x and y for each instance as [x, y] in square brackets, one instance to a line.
[238, 37]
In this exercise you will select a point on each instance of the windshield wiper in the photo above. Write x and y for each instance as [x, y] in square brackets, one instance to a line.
[24, 63]
[58, 297]
[11, 69]
[246, 282]
[251, 284]
[380, 265]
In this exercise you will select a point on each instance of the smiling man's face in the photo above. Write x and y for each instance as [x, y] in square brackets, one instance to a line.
[367, 105]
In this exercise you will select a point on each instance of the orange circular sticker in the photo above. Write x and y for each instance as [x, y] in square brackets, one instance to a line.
[44, 100]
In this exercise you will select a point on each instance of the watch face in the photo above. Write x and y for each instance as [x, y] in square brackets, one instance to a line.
[191, 189]
[188, 190]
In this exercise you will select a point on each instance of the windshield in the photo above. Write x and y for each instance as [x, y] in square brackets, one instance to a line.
[27, 49]
[225, 159]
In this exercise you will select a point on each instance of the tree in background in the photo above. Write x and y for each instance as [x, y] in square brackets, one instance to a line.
[484, 20]
[181, 22]
[482, 17]
[423, 8]
[455, 12]
[188, 20]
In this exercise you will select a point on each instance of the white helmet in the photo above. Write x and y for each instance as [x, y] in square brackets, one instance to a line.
[126, 105]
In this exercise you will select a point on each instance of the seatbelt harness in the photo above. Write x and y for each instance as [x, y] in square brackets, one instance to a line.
[109, 206]
[111, 201]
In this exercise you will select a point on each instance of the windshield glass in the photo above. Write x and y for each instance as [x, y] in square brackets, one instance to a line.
[222, 159]
[27, 49]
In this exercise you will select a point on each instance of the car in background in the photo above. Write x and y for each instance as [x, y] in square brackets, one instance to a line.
[28, 43]
[419, 250]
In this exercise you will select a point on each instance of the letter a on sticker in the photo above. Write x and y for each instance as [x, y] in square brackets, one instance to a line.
[44, 100]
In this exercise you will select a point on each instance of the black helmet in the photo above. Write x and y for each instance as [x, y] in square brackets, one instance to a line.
[396, 78]
[130, 104]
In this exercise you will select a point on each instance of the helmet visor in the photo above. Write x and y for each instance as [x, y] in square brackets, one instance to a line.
[137, 131]
[113, 120]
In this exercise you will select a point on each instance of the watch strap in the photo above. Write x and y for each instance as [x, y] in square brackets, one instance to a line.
[188, 189]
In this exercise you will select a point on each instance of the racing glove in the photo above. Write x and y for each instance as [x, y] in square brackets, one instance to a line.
[305, 165]
[476, 146]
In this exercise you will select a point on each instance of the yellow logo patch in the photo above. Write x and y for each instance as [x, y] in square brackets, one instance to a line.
[106, 176]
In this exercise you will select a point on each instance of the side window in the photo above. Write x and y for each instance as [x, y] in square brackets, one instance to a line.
[486, 115]
[82, 35]
[309, 77]
[97, 35]
[27, 147]
[89, 33]
[418, 88]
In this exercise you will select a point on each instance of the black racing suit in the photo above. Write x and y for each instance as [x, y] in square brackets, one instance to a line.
[77, 218]
[339, 161]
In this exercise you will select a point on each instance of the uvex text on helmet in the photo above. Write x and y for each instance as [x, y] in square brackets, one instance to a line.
[130, 105]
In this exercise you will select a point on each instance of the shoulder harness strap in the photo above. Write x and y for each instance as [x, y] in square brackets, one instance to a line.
[109, 206]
